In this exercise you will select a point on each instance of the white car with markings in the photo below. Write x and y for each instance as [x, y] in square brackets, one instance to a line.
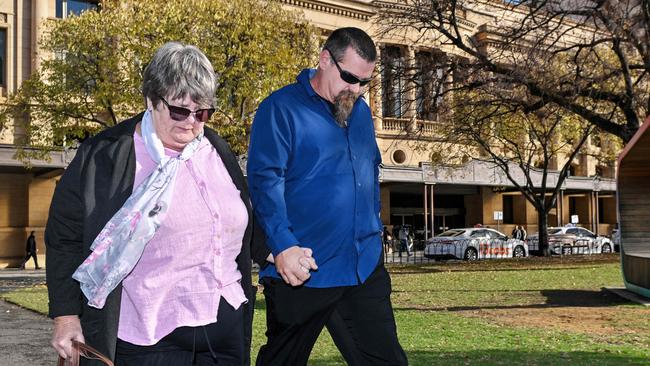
[474, 243]
[568, 240]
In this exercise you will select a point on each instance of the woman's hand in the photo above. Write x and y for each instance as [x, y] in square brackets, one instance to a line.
[66, 329]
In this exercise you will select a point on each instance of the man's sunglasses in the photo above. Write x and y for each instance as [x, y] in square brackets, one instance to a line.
[347, 76]
[181, 114]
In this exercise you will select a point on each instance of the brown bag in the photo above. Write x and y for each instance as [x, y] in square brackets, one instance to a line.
[85, 351]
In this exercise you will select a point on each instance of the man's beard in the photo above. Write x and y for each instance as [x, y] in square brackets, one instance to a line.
[343, 104]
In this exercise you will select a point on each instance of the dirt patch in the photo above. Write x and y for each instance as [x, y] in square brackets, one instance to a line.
[604, 321]
[596, 313]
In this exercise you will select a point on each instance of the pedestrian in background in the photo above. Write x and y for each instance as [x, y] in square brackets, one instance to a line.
[30, 249]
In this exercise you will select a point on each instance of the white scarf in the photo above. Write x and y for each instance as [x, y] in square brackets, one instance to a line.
[119, 246]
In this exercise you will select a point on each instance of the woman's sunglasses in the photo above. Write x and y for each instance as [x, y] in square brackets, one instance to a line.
[347, 76]
[181, 114]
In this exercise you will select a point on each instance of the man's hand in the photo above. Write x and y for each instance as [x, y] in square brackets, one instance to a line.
[294, 264]
[66, 329]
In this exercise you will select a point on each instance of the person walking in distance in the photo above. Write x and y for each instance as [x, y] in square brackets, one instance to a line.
[30, 250]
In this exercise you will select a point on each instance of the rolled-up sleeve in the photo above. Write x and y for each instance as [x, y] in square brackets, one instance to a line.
[268, 157]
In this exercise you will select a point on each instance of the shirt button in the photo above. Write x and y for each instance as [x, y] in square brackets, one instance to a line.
[359, 184]
[217, 252]
[219, 284]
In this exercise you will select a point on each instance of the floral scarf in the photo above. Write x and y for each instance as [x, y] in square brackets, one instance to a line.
[120, 244]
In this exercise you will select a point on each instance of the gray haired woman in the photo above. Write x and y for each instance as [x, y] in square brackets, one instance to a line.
[150, 234]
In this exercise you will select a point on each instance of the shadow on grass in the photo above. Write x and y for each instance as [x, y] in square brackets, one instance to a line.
[505, 357]
[530, 263]
[260, 304]
[554, 299]
[423, 270]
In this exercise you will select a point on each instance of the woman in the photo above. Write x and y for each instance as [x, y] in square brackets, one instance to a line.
[150, 234]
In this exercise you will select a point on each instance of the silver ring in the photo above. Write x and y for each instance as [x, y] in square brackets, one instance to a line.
[305, 269]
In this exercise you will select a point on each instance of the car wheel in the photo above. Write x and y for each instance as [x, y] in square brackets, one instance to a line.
[518, 252]
[471, 254]
[605, 248]
[566, 250]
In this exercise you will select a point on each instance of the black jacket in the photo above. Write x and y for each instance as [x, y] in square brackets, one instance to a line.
[30, 246]
[93, 188]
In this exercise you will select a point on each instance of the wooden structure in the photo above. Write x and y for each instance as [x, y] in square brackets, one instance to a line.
[634, 211]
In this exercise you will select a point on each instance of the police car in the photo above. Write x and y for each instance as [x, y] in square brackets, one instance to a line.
[573, 239]
[474, 243]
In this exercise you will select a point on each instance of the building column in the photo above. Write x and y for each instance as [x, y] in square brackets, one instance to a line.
[39, 15]
[411, 111]
[431, 205]
[384, 193]
[596, 215]
[559, 207]
[428, 208]
[426, 211]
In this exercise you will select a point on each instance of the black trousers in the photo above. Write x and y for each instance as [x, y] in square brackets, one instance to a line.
[220, 343]
[30, 255]
[363, 319]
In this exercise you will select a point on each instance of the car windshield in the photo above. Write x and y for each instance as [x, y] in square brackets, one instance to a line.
[555, 231]
[452, 233]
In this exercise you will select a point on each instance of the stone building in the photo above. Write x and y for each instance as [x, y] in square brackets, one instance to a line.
[413, 190]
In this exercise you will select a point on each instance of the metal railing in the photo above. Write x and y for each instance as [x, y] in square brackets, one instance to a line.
[469, 249]
[579, 246]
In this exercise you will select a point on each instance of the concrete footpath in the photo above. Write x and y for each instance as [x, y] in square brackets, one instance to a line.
[24, 334]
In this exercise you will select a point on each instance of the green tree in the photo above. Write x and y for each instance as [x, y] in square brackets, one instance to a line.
[92, 79]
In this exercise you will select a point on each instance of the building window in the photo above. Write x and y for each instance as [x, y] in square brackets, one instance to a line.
[73, 7]
[3, 57]
[393, 82]
[508, 209]
[572, 171]
[429, 79]
[399, 156]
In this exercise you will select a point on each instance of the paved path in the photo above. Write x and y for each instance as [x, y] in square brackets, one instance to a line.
[24, 334]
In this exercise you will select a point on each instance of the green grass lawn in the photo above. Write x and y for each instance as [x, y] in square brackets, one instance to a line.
[529, 312]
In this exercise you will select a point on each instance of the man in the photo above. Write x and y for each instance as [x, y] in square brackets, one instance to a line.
[30, 249]
[313, 171]
[404, 239]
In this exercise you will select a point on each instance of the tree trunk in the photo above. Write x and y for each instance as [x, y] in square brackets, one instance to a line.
[543, 233]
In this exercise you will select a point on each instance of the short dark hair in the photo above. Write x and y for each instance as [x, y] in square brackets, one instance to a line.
[359, 40]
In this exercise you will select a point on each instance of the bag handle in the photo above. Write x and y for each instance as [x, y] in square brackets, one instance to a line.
[85, 351]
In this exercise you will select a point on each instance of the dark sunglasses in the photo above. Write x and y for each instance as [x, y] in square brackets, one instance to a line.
[181, 114]
[347, 76]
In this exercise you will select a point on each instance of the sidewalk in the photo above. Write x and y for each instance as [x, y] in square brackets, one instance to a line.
[24, 334]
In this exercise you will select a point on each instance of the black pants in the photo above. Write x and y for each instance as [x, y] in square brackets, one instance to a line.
[221, 343]
[30, 255]
[295, 317]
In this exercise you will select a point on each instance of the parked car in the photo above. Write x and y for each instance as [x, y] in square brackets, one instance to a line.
[474, 243]
[572, 240]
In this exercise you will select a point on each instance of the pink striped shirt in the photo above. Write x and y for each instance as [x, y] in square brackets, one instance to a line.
[189, 264]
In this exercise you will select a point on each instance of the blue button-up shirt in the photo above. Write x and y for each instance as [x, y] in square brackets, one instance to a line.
[315, 184]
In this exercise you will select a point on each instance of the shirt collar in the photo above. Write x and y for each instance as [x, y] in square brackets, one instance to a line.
[303, 79]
